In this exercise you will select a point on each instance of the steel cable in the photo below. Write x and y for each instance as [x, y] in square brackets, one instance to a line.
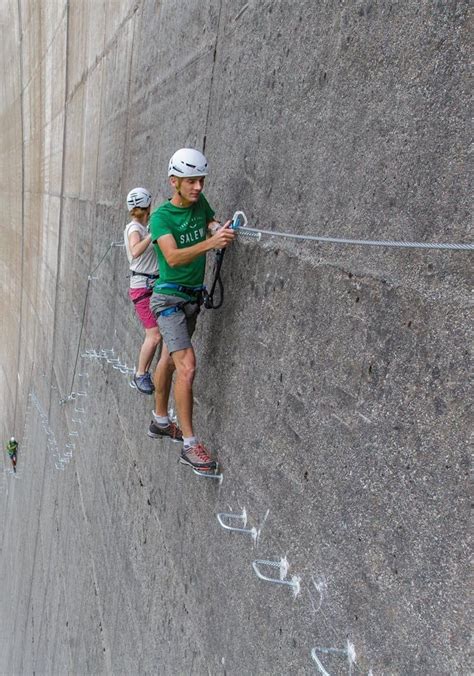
[360, 242]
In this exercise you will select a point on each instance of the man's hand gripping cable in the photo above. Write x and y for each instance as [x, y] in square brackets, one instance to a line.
[239, 220]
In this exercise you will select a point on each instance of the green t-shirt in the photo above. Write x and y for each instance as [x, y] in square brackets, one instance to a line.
[188, 225]
[11, 447]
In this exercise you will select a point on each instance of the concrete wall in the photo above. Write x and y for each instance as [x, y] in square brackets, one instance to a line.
[332, 383]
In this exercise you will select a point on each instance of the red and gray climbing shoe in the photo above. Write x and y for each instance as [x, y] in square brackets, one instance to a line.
[198, 458]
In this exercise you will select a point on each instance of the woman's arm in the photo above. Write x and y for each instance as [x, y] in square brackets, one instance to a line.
[138, 245]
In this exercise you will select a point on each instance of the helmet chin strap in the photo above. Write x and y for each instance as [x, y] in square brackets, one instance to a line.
[177, 187]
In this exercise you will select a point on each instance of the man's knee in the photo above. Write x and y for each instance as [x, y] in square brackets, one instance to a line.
[186, 372]
[185, 366]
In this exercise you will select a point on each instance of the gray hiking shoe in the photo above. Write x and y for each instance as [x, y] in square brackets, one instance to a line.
[198, 458]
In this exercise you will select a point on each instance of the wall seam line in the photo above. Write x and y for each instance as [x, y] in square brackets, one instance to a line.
[212, 78]
[61, 200]
[22, 127]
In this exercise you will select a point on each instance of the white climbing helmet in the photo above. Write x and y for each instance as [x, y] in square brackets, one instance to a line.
[12, 439]
[187, 162]
[138, 197]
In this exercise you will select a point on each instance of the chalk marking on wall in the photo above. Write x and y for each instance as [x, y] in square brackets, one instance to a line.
[321, 587]
[333, 415]
[244, 9]
[351, 656]
[260, 528]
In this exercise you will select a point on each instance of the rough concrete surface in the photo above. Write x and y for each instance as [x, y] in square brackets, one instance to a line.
[333, 382]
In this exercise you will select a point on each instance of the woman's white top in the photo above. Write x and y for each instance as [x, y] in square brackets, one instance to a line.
[147, 262]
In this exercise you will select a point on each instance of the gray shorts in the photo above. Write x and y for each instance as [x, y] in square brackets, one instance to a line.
[176, 328]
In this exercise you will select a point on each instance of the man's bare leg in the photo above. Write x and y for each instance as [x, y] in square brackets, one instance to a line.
[193, 453]
[185, 364]
[162, 380]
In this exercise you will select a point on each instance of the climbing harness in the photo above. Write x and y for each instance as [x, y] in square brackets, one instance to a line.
[188, 290]
[196, 293]
[148, 289]
[150, 279]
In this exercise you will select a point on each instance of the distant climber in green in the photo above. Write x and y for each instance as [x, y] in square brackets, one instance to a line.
[183, 230]
[12, 449]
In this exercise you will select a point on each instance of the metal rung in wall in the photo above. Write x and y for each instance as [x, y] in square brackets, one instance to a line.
[225, 517]
[282, 566]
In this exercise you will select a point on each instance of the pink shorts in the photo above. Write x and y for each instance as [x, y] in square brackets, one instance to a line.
[142, 307]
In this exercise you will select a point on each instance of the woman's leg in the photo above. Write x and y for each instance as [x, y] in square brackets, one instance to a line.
[147, 352]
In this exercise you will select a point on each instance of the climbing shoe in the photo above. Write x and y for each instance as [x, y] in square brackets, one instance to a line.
[198, 458]
[143, 383]
[172, 431]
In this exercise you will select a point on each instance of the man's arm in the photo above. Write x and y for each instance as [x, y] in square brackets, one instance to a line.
[176, 257]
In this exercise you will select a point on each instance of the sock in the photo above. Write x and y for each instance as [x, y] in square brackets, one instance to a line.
[189, 441]
[161, 420]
